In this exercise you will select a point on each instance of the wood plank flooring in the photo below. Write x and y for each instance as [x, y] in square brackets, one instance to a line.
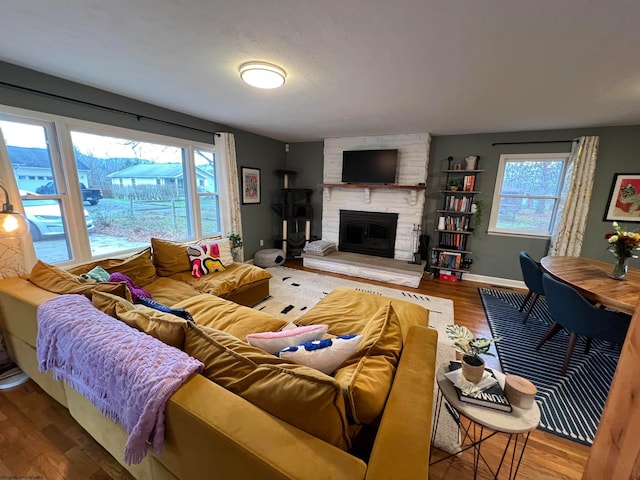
[38, 437]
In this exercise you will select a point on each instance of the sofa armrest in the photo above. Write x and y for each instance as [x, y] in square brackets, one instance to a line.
[213, 433]
[401, 448]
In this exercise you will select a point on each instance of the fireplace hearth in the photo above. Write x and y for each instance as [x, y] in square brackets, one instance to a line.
[369, 233]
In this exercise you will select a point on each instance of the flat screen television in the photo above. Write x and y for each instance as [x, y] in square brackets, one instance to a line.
[369, 166]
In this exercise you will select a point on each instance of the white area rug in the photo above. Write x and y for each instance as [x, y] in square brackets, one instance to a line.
[293, 292]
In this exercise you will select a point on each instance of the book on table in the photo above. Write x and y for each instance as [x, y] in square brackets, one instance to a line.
[491, 397]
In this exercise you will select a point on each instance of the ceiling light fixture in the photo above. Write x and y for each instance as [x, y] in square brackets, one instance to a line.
[262, 75]
[12, 224]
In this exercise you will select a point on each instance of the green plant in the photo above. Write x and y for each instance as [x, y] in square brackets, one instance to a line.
[465, 343]
[236, 239]
[477, 217]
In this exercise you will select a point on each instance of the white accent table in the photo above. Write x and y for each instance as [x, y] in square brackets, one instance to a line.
[517, 424]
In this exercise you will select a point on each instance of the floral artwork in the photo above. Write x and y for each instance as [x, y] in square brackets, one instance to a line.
[624, 199]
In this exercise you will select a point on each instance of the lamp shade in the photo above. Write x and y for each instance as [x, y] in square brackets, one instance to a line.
[12, 225]
[262, 75]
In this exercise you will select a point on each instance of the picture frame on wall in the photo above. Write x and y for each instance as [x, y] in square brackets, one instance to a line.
[250, 185]
[624, 198]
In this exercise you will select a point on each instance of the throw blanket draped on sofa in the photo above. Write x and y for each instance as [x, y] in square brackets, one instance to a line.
[128, 375]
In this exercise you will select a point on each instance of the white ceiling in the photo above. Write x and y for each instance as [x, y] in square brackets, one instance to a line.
[355, 67]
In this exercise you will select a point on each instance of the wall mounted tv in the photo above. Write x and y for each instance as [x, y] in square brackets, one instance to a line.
[369, 166]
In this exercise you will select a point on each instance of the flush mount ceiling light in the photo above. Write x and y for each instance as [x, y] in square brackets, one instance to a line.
[262, 75]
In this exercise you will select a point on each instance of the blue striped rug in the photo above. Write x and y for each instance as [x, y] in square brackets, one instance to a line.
[570, 406]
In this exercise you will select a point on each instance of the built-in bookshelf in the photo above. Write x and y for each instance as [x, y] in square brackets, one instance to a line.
[450, 255]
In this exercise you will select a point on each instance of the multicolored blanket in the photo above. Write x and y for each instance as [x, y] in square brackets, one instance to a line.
[128, 375]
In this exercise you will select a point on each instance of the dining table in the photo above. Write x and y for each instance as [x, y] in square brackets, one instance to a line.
[591, 278]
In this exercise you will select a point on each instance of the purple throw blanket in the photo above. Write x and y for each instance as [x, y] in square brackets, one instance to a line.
[128, 375]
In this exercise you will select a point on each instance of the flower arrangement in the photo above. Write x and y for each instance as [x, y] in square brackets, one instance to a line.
[465, 343]
[623, 244]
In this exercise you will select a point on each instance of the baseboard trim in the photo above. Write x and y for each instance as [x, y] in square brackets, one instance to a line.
[502, 282]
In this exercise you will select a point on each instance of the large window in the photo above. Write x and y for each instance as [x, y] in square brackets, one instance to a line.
[527, 193]
[92, 190]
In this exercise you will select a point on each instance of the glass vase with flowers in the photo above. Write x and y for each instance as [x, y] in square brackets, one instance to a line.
[623, 245]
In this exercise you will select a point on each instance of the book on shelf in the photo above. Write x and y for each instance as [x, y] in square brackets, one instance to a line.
[492, 397]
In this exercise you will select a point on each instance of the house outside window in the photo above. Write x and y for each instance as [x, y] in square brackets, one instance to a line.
[140, 185]
[527, 194]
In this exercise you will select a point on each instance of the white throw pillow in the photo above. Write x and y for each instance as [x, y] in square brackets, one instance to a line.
[273, 342]
[324, 355]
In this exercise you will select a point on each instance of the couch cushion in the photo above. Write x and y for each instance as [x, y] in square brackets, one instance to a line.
[171, 257]
[301, 396]
[166, 327]
[367, 375]
[348, 311]
[222, 283]
[168, 291]
[138, 267]
[221, 314]
[56, 280]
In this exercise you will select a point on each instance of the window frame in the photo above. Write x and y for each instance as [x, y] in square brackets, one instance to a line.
[493, 229]
[64, 170]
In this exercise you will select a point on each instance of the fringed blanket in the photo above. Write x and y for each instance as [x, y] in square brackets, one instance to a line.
[128, 375]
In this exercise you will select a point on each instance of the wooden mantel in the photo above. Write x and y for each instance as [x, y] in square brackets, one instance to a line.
[367, 187]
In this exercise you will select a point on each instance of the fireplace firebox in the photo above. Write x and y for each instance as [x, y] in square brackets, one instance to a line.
[369, 233]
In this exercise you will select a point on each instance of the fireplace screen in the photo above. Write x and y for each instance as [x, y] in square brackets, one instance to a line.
[370, 233]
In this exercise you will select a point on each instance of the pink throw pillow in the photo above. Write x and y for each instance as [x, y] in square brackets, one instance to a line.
[273, 342]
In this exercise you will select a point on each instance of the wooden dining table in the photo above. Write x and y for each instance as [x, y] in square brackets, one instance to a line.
[591, 278]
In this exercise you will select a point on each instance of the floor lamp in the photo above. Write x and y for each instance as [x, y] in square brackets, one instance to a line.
[12, 225]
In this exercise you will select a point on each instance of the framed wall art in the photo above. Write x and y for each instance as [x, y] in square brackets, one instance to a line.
[250, 185]
[624, 198]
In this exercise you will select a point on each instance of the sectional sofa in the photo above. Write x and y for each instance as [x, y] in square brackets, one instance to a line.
[249, 414]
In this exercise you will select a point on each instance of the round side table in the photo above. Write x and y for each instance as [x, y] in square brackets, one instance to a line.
[517, 424]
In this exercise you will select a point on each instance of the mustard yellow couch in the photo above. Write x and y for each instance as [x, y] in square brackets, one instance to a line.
[214, 433]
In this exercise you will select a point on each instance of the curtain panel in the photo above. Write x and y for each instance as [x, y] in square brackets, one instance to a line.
[227, 153]
[567, 234]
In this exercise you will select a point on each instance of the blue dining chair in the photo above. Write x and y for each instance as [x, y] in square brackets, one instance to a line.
[532, 275]
[572, 311]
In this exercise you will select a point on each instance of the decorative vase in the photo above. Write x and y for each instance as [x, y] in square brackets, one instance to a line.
[620, 268]
[472, 368]
[471, 162]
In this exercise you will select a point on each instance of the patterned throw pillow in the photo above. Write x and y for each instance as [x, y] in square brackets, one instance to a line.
[97, 274]
[273, 342]
[205, 259]
[324, 355]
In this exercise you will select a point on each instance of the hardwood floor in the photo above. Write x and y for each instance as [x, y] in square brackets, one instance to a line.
[38, 437]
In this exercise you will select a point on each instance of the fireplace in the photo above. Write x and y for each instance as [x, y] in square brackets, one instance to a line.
[370, 233]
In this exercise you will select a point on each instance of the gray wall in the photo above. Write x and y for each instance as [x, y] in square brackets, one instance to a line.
[496, 255]
[251, 150]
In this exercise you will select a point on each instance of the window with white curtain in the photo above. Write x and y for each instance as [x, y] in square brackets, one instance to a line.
[92, 190]
[527, 193]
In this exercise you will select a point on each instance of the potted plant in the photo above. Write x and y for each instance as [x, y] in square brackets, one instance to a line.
[236, 243]
[471, 348]
[477, 208]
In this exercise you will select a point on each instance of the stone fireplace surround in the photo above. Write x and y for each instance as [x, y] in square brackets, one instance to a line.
[413, 159]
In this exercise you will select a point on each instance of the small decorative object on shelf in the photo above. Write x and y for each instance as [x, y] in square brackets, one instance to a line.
[471, 162]
[471, 348]
[623, 245]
